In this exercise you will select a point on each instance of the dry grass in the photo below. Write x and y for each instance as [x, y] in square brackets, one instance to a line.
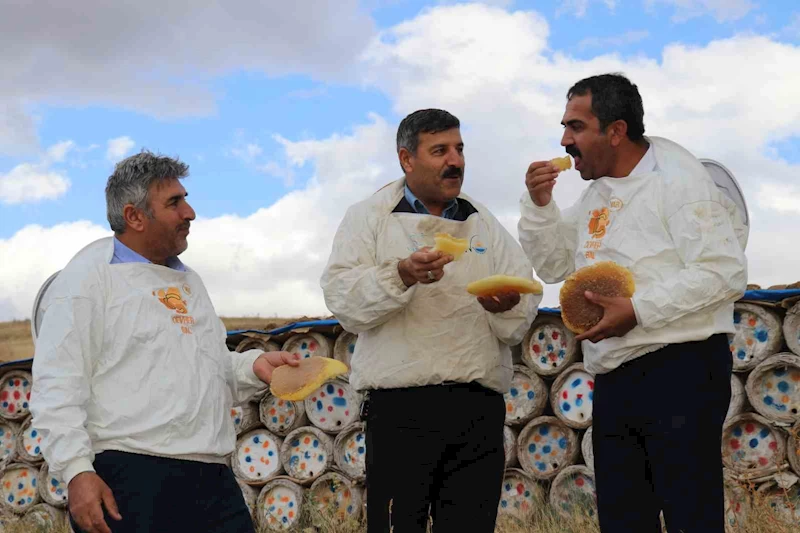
[15, 340]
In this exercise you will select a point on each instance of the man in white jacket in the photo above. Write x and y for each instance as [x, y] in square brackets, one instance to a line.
[661, 358]
[434, 360]
[133, 383]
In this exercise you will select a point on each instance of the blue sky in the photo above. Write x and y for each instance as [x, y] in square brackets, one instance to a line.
[238, 166]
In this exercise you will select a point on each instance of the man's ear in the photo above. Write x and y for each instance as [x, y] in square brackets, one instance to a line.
[617, 131]
[406, 160]
[134, 217]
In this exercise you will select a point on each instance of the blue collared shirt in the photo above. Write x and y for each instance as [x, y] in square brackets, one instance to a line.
[123, 254]
[419, 207]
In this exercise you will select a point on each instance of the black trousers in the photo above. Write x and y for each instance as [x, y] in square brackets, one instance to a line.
[156, 495]
[434, 450]
[657, 439]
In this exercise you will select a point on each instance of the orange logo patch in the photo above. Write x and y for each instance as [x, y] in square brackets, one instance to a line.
[598, 223]
[171, 298]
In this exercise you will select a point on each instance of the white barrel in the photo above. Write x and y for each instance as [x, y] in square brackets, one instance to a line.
[773, 388]
[29, 443]
[257, 457]
[43, 517]
[573, 492]
[306, 454]
[784, 503]
[257, 343]
[309, 344]
[759, 334]
[793, 448]
[521, 494]
[333, 406]
[549, 347]
[336, 497]
[738, 397]
[738, 503]
[510, 446]
[8, 442]
[587, 449]
[572, 397]
[752, 446]
[19, 487]
[350, 451]
[279, 504]
[52, 489]
[791, 328]
[250, 495]
[546, 446]
[15, 393]
[281, 416]
[245, 417]
[526, 398]
[345, 347]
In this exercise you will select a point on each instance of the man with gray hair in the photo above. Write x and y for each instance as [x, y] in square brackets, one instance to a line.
[133, 382]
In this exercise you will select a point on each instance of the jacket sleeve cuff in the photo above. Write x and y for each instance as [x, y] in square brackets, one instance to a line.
[244, 371]
[76, 467]
[390, 278]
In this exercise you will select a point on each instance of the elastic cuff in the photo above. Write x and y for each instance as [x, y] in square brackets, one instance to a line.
[246, 374]
[76, 467]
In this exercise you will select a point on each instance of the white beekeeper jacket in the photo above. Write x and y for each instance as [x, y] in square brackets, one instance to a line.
[681, 237]
[429, 333]
[132, 357]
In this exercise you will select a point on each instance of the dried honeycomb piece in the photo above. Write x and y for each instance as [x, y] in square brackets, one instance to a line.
[501, 283]
[562, 163]
[450, 245]
[295, 383]
[605, 278]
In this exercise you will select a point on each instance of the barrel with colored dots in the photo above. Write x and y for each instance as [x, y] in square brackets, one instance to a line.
[310, 344]
[759, 334]
[520, 495]
[52, 489]
[572, 397]
[8, 441]
[333, 406]
[281, 416]
[587, 449]
[510, 446]
[345, 347]
[526, 398]
[279, 504]
[15, 394]
[43, 517]
[336, 497]
[257, 343]
[784, 502]
[546, 446]
[573, 492]
[306, 454]
[773, 388]
[245, 417]
[250, 495]
[549, 347]
[738, 401]
[791, 328]
[751, 445]
[29, 443]
[738, 502]
[350, 451]
[19, 487]
[256, 458]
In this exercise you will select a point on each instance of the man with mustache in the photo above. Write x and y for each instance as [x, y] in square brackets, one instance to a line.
[661, 358]
[133, 383]
[433, 360]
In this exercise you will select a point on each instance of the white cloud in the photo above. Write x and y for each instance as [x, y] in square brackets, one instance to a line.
[783, 198]
[721, 10]
[629, 37]
[129, 54]
[34, 182]
[118, 148]
[579, 8]
[248, 152]
[58, 152]
[792, 30]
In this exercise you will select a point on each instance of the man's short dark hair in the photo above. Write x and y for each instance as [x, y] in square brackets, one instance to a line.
[423, 121]
[614, 97]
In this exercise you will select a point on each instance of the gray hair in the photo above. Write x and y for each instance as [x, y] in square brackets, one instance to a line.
[423, 121]
[131, 180]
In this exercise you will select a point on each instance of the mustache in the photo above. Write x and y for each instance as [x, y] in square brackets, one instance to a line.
[184, 226]
[453, 172]
[573, 150]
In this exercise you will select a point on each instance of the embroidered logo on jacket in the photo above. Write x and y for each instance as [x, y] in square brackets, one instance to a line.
[598, 223]
[173, 300]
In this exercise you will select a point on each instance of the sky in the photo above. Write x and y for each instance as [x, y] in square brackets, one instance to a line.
[286, 113]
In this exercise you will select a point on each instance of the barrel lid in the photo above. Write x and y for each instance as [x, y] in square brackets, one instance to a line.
[727, 183]
[37, 314]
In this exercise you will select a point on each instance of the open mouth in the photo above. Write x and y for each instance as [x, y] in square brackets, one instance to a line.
[577, 162]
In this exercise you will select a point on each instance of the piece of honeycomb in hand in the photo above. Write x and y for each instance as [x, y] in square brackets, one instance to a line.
[605, 278]
[500, 283]
[295, 383]
[448, 244]
[562, 163]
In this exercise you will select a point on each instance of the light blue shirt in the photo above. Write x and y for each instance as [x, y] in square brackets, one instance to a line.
[419, 207]
[123, 254]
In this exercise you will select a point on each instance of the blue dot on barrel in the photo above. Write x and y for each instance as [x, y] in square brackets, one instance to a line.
[10, 498]
[315, 443]
[737, 432]
[291, 504]
[579, 402]
[541, 467]
[781, 407]
[351, 348]
[768, 400]
[248, 459]
[256, 439]
[562, 353]
[566, 407]
[530, 395]
[361, 449]
[33, 482]
[562, 443]
[508, 486]
[737, 317]
[34, 432]
[741, 354]
[549, 347]
[591, 396]
[296, 442]
[547, 449]
[762, 335]
[527, 494]
[532, 448]
[307, 455]
[20, 486]
[513, 392]
[753, 443]
[330, 389]
[274, 419]
[25, 405]
[319, 405]
[764, 433]
[544, 430]
[543, 359]
[339, 402]
[270, 453]
[541, 335]
[11, 382]
[783, 386]
[37, 450]
[304, 346]
[503, 504]
[54, 482]
[285, 520]
[576, 383]
[780, 372]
